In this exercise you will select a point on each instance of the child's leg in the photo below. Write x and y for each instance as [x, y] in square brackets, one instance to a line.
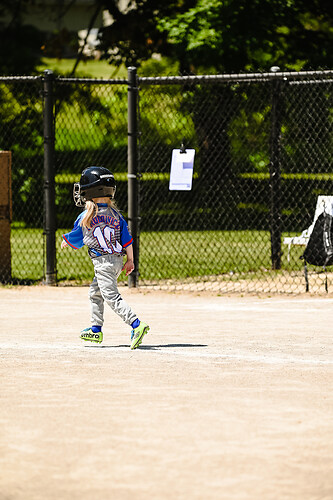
[94, 333]
[97, 304]
[107, 270]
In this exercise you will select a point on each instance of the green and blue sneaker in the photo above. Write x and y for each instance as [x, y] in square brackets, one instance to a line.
[88, 334]
[137, 334]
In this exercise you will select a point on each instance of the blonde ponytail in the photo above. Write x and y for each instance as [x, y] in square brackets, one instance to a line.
[92, 210]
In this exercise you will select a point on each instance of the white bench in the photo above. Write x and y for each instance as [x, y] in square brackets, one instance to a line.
[324, 204]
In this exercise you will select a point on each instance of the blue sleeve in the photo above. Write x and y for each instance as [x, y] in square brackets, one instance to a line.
[125, 236]
[75, 238]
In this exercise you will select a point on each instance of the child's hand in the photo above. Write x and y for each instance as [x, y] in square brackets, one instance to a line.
[128, 267]
[64, 244]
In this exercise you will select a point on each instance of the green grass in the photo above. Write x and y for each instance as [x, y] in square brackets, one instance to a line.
[102, 69]
[68, 178]
[27, 254]
[189, 254]
[90, 69]
[324, 176]
[163, 255]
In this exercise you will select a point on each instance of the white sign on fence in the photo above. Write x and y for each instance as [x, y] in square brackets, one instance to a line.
[181, 173]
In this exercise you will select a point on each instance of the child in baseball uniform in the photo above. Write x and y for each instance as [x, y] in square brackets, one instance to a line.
[104, 231]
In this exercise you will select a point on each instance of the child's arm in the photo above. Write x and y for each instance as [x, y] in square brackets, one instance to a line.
[74, 239]
[129, 264]
[127, 243]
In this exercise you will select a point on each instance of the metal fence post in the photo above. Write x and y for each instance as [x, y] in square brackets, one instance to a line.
[49, 182]
[275, 172]
[132, 164]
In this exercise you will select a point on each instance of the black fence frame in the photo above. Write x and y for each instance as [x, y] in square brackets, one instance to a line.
[48, 81]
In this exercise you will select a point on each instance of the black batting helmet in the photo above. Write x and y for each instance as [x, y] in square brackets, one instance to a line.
[95, 182]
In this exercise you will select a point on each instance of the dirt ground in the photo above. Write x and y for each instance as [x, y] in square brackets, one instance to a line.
[227, 398]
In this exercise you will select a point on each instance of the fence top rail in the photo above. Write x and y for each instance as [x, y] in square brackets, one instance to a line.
[236, 77]
[60, 79]
[311, 82]
[92, 81]
[20, 78]
[291, 76]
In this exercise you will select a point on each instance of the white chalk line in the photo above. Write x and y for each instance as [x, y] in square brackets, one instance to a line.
[262, 308]
[188, 354]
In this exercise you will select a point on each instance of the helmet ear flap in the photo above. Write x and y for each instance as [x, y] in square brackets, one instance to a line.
[78, 200]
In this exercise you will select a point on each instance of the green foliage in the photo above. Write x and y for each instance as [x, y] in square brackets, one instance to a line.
[21, 132]
[133, 37]
[307, 130]
[199, 35]
[236, 35]
[222, 35]
[98, 117]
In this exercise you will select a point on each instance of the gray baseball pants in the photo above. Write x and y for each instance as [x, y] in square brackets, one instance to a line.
[104, 288]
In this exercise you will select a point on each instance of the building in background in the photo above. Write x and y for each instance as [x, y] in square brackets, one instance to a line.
[67, 24]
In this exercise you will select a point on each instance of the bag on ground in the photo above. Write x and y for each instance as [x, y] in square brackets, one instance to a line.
[319, 250]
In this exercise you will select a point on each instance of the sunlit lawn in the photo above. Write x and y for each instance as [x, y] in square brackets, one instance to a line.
[163, 255]
[91, 68]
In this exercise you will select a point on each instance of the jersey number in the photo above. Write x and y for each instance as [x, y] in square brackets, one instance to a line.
[104, 237]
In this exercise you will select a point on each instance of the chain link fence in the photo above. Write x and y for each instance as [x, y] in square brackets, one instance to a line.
[21, 132]
[263, 147]
[90, 129]
[263, 155]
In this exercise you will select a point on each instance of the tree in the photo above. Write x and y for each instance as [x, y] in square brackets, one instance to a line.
[227, 35]
[134, 34]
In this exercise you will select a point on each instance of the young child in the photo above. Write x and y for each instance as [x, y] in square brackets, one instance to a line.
[105, 232]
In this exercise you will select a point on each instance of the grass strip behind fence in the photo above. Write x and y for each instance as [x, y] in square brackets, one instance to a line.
[163, 255]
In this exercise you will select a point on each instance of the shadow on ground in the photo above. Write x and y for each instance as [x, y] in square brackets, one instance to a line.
[147, 347]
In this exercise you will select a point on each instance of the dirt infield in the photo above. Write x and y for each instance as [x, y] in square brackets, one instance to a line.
[227, 398]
